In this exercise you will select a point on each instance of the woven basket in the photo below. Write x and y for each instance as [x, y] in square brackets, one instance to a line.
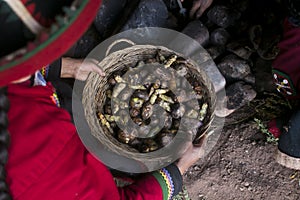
[96, 86]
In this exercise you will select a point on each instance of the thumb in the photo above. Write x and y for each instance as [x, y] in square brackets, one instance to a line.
[96, 68]
[200, 147]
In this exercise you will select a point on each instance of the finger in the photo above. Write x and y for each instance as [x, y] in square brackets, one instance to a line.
[94, 60]
[95, 67]
[92, 67]
[202, 142]
[98, 70]
[200, 12]
[196, 5]
[203, 8]
[200, 148]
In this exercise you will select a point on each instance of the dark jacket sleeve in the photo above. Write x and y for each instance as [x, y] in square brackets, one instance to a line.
[54, 70]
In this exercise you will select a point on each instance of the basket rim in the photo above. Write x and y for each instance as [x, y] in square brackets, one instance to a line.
[89, 87]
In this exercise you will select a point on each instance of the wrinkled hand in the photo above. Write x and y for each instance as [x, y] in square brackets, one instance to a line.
[192, 155]
[76, 68]
[198, 8]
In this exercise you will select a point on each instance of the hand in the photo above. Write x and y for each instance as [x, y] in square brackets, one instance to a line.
[198, 8]
[192, 155]
[76, 68]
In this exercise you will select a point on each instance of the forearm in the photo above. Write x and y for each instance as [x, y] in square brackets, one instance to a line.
[69, 66]
[61, 68]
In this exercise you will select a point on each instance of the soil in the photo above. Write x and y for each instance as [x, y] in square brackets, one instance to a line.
[242, 166]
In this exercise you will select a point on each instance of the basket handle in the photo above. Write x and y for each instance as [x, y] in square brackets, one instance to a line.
[117, 42]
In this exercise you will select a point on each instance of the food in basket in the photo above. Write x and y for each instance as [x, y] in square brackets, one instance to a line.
[135, 93]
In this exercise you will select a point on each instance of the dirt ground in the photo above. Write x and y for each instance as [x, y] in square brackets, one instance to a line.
[242, 166]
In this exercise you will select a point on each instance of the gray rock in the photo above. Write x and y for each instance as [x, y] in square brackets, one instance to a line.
[250, 79]
[215, 51]
[108, 15]
[214, 75]
[219, 37]
[172, 5]
[85, 44]
[240, 48]
[240, 5]
[223, 16]
[197, 31]
[237, 95]
[233, 68]
[149, 13]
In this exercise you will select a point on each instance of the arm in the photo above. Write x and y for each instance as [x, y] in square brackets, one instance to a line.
[70, 68]
[76, 68]
[192, 155]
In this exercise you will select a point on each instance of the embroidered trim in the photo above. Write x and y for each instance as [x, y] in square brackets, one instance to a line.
[39, 79]
[162, 184]
[283, 83]
[44, 71]
[167, 177]
[55, 99]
